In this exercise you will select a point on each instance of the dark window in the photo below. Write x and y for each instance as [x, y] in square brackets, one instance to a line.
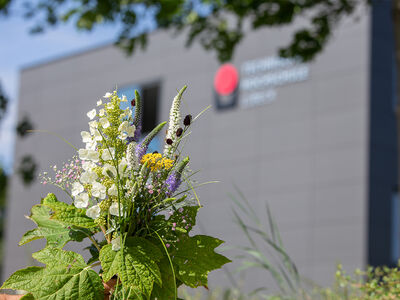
[149, 94]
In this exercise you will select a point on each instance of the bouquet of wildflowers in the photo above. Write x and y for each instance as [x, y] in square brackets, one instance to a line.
[136, 208]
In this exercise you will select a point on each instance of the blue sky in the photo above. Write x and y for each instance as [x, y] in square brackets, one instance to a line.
[19, 49]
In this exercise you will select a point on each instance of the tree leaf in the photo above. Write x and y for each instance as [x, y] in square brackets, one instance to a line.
[68, 214]
[135, 264]
[56, 233]
[195, 258]
[28, 296]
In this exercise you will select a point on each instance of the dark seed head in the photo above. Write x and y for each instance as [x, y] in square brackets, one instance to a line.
[179, 132]
[133, 102]
[187, 120]
[155, 152]
[169, 141]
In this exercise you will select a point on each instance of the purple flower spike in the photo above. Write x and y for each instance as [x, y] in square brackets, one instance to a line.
[138, 132]
[173, 181]
[141, 150]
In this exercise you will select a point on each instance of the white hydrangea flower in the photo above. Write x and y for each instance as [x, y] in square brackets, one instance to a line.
[91, 145]
[113, 191]
[98, 190]
[123, 168]
[116, 244]
[81, 200]
[102, 112]
[108, 95]
[91, 114]
[124, 126]
[88, 177]
[96, 135]
[93, 212]
[104, 122]
[93, 124]
[109, 170]
[88, 165]
[88, 154]
[114, 209]
[86, 137]
[126, 130]
[77, 188]
[100, 102]
[108, 154]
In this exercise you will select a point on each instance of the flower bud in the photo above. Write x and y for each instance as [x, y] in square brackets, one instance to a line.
[169, 141]
[133, 102]
[179, 132]
[187, 120]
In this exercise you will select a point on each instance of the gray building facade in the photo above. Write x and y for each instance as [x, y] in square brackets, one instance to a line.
[316, 141]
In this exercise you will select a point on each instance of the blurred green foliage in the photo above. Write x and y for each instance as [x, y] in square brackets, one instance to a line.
[218, 25]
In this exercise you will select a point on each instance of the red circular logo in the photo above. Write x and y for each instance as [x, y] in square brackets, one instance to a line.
[226, 79]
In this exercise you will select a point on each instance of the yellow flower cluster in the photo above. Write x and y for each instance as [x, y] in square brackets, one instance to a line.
[155, 161]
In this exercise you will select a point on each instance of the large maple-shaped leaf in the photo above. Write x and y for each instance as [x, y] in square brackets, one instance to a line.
[166, 291]
[68, 214]
[71, 278]
[195, 258]
[56, 233]
[135, 264]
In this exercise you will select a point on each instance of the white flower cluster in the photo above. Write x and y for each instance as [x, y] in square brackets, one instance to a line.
[95, 156]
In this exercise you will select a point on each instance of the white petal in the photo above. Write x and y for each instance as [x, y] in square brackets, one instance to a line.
[113, 191]
[104, 122]
[124, 126]
[109, 170]
[83, 154]
[88, 165]
[93, 212]
[100, 102]
[93, 124]
[76, 188]
[88, 177]
[108, 154]
[102, 112]
[81, 200]
[124, 99]
[91, 114]
[86, 137]
[107, 95]
[114, 209]
[116, 244]
[93, 155]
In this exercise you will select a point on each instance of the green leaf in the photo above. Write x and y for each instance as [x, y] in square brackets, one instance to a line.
[135, 264]
[167, 290]
[195, 258]
[66, 276]
[185, 218]
[62, 282]
[53, 257]
[68, 214]
[28, 296]
[24, 279]
[56, 233]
